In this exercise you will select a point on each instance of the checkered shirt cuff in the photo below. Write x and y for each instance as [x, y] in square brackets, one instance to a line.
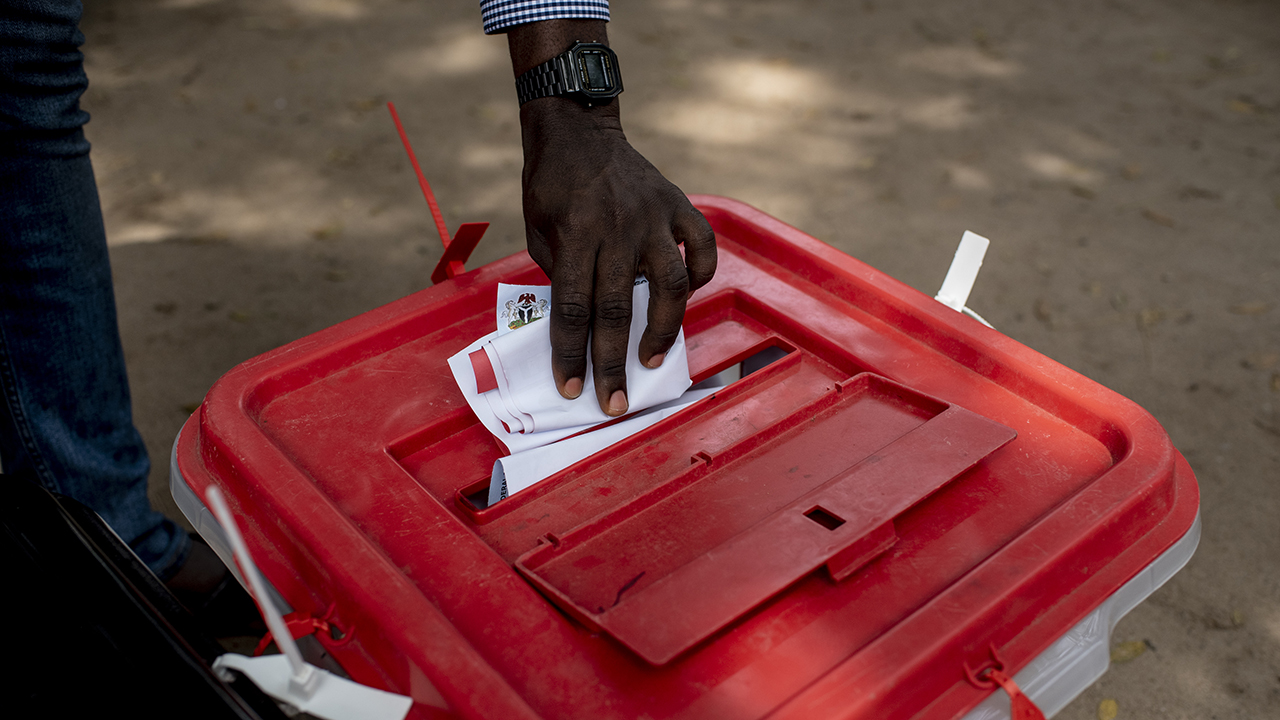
[500, 15]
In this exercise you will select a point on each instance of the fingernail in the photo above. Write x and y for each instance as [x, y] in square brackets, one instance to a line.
[617, 403]
[573, 387]
[656, 360]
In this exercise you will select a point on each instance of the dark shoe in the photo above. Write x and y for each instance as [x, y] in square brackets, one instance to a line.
[211, 592]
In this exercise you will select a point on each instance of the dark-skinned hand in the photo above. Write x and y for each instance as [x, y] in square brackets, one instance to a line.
[597, 215]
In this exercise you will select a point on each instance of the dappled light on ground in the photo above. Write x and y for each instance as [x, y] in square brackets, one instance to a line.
[465, 52]
[1056, 167]
[960, 61]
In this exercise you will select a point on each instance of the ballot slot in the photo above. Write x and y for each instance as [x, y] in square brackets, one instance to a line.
[736, 371]
[735, 318]
[745, 366]
[738, 366]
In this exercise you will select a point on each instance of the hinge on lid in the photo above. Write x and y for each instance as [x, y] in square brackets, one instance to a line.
[702, 456]
[990, 674]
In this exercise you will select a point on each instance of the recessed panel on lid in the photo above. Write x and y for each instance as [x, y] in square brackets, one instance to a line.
[667, 570]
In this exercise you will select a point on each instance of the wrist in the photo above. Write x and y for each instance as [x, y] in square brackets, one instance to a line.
[565, 124]
[534, 43]
[555, 111]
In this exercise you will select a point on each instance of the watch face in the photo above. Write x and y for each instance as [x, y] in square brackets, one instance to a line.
[596, 71]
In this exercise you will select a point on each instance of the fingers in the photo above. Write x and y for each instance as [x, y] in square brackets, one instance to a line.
[668, 294]
[615, 280]
[692, 229]
[539, 249]
[592, 282]
[572, 294]
[672, 279]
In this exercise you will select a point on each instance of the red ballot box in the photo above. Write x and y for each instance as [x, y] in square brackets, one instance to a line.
[901, 501]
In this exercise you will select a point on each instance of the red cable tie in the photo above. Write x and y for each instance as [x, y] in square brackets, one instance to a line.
[1020, 706]
[422, 179]
[299, 624]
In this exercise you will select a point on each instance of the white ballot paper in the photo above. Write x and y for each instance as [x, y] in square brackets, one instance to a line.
[506, 379]
[520, 470]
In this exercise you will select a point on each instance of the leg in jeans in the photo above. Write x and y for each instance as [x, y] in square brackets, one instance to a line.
[65, 416]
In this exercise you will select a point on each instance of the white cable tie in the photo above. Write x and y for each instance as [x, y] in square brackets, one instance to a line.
[302, 672]
[978, 317]
[963, 271]
[290, 678]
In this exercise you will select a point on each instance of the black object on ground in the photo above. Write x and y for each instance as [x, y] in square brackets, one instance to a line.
[93, 630]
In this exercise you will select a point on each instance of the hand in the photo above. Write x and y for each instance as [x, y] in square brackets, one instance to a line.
[597, 214]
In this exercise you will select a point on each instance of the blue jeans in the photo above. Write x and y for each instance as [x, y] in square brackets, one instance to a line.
[65, 415]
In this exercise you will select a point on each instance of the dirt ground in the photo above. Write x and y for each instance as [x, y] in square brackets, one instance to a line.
[1122, 155]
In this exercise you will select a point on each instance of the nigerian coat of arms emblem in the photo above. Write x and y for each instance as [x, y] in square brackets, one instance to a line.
[523, 310]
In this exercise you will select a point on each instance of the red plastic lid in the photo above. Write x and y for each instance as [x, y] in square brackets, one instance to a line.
[836, 535]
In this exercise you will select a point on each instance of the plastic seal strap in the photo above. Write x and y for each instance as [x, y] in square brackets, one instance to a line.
[288, 677]
[1020, 706]
[962, 274]
[456, 251]
[299, 625]
[992, 672]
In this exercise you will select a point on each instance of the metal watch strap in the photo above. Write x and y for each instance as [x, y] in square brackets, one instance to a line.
[542, 81]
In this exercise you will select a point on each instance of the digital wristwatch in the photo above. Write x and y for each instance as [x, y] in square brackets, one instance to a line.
[586, 72]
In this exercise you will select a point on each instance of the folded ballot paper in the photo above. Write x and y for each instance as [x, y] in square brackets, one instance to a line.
[518, 471]
[506, 379]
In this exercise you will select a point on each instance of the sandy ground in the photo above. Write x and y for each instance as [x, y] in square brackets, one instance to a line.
[1123, 155]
